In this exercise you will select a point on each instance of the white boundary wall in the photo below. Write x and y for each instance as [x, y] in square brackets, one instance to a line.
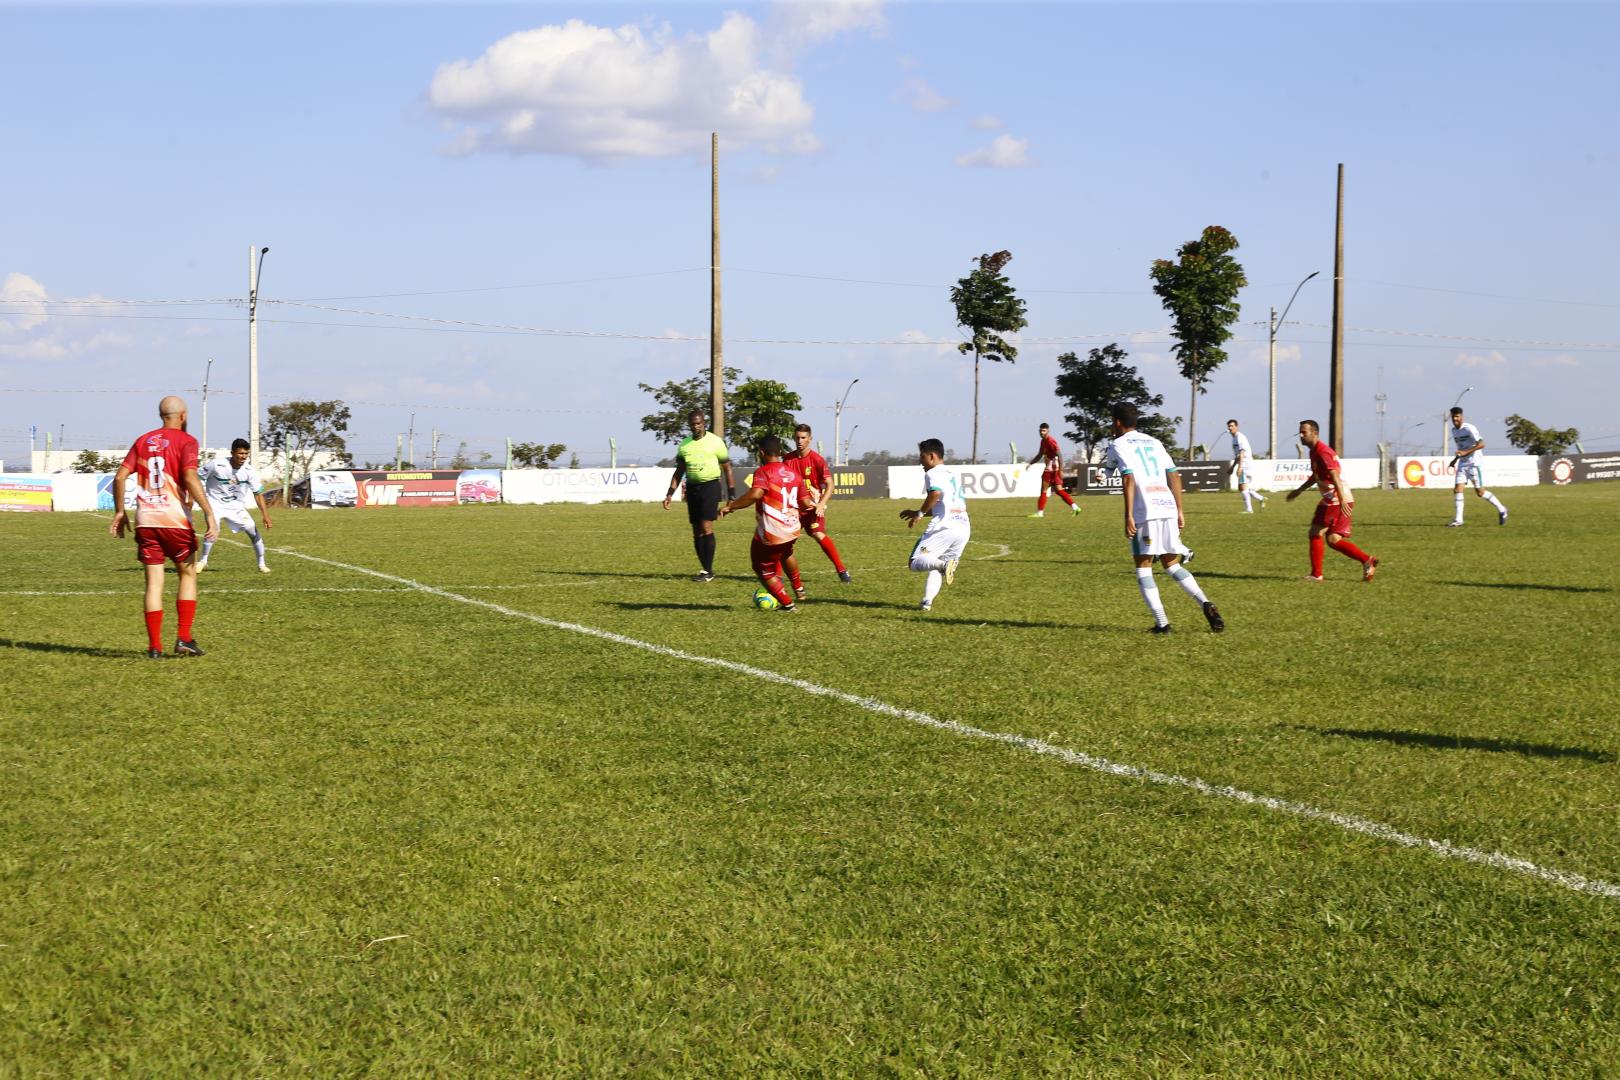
[530, 486]
[1437, 474]
[978, 481]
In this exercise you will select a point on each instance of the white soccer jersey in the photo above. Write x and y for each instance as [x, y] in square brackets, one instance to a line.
[1465, 438]
[1241, 452]
[230, 488]
[1144, 459]
[951, 507]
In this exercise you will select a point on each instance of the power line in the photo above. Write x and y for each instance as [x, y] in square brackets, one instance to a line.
[1493, 296]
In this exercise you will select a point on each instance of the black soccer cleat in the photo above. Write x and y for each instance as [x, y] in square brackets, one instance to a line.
[154, 654]
[703, 575]
[1165, 629]
[1216, 623]
[187, 648]
[843, 575]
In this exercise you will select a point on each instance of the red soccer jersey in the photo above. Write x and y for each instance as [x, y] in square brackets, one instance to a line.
[1050, 451]
[1323, 459]
[159, 460]
[812, 467]
[778, 511]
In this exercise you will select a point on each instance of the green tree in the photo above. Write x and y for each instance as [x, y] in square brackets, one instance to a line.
[760, 407]
[987, 306]
[91, 462]
[304, 429]
[1091, 387]
[1199, 290]
[1538, 440]
[679, 398]
[533, 455]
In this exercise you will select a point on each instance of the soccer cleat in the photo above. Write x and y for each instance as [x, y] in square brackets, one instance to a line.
[1216, 623]
[1038, 513]
[1312, 577]
[950, 571]
[925, 606]
[1501, 517]
[788, 609]
[1454, 525]
[154, 654]
[1263, 503]
[1369, 570]
[843, 575]
[202, 564]
[1074, 508]
[263, 569]
[1189, 556]
[187, 648]
[703, 575]
[798, 591]
[1165, 629]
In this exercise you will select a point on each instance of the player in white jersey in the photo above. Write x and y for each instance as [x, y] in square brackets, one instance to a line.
[940, 547]
[1470, 468]
[233, 487]
[1153, 515]
[1243, 466]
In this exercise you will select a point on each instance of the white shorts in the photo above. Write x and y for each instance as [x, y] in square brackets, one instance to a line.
[945, 541]
[1244, 478]
[234, 516]
[1469, 472]
[1158, 536]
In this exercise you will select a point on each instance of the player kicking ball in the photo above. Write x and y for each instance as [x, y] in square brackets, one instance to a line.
[939, 549]
[816, 490]
[232, 486]
[1153, 515]
[774, 495]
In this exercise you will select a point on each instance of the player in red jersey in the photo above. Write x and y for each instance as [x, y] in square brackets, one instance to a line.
[815, 492]
[775, 496]
[164, 463]
[1051, 472]
[1332, 515]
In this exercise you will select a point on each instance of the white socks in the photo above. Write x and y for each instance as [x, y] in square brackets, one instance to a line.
[1189, 584]
[1459, 515]
[1248, 501]
[258, 546]
[1150, 594]
[936, 581]
[1494, 501]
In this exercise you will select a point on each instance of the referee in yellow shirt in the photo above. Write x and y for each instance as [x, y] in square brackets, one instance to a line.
[701, 460]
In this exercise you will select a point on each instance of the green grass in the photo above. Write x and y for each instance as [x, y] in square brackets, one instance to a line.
[386, 833]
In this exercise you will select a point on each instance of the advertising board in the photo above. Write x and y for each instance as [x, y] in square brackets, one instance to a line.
[423, 487]
[1561, 469]
[978, 481]
[531, 486]
[25, 493]
[1437, 473]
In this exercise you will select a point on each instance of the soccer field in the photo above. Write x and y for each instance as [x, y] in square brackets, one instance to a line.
[501, 791]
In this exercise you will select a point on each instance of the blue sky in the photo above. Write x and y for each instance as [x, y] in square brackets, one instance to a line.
[544, 166]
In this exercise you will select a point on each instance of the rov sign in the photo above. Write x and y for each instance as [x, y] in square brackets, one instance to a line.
[978, 481]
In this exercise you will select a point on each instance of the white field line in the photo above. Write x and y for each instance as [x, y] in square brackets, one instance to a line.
[1349, 822]
[301, 589]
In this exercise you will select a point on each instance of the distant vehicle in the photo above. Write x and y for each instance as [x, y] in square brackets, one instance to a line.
[479, 491]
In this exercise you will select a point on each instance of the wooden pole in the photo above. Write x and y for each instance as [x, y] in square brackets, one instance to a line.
[1336, 366]
[717, 382]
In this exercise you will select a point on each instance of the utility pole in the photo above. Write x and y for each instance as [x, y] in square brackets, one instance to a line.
[435, 461]
[411, 443]
[206, 372]
[1336, 373]
[399, 450]
[255, 264]
[717, 387]
[1379, 402]
[613, 453]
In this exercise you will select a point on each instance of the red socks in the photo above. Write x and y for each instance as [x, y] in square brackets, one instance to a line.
[1040, 504]
[1064, 495]
[1318, 547]
[188, 611]
[154, 629]
[773, 585]
[1345, 547]
[831, 549]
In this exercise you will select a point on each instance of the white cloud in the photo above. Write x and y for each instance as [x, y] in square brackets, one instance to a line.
[1475, 360]
[1560, 360]
[924, 98]
[921, 340]
[25, 304]
[606, 94]
[985, 122]
[1005, 152]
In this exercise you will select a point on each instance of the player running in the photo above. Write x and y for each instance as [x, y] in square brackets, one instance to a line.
[1332, 515]
[700, 461]
[1243, 466]
[775, 497]
[1470, 470]
[232, 486]
[940, 547]
[1153, 515]
[164, 463]
[1051, 472]
[815, 491]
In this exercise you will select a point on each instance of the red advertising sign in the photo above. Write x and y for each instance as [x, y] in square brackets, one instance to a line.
[419, 488]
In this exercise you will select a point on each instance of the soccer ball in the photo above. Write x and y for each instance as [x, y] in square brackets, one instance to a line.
[764, 600]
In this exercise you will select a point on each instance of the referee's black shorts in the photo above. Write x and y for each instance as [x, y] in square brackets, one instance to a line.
[703, 500]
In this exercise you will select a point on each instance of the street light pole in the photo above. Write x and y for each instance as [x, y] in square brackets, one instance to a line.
[255, 264]
[838, 415]
[851, 439]
[206, 372]
[1271, 438]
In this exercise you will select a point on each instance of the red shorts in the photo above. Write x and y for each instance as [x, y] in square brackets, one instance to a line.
[1052, 478]
[1331, 518]
[767, 558]
[810, 521]
[154, 547]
